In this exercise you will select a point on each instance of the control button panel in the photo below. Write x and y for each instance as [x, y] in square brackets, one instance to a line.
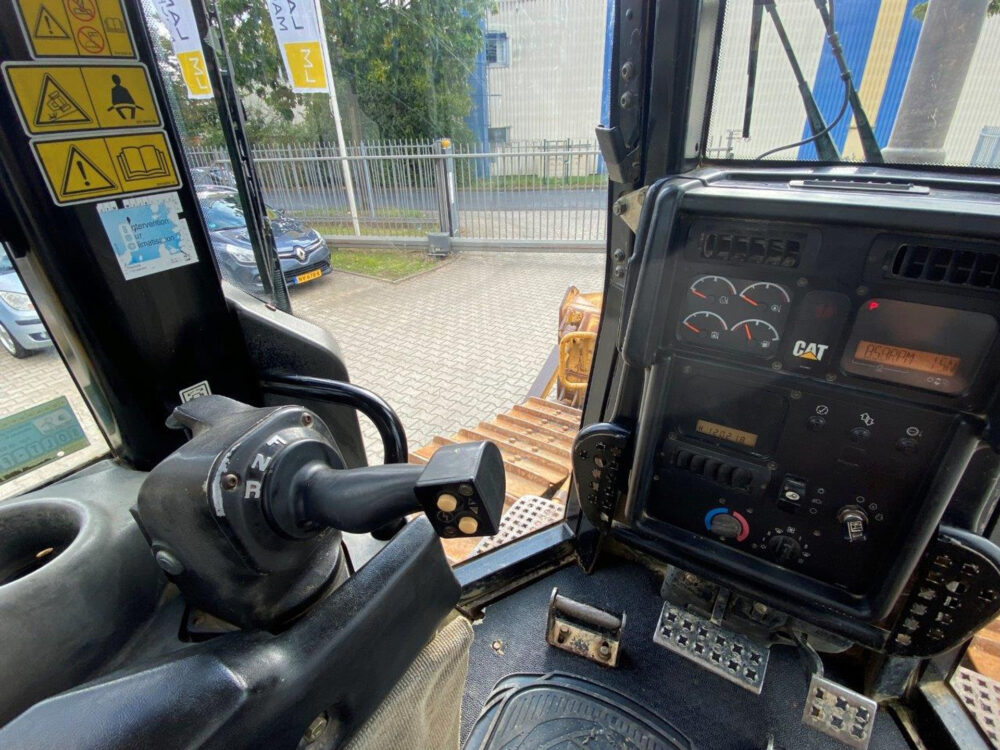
[600, 468]
[815, 481]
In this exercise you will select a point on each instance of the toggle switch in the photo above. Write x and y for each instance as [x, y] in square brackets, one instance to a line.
[855, 523]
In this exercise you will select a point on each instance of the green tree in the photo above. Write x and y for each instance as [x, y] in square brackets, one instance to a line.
[401, 72]
[198, 120]
[920, 9]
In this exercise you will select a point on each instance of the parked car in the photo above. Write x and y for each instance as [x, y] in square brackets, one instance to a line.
[21, 330]
[213, 176]
[302, 251]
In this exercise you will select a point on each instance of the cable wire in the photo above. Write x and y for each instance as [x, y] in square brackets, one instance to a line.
[836, 120]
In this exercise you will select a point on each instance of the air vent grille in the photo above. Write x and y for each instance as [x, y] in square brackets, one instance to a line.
[735, 247]
[946, 265]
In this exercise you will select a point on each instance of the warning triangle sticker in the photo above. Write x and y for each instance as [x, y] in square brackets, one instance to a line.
[82, 176]
[47, 27]
[57, 107]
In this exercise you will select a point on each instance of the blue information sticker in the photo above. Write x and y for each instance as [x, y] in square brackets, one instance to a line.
[148, 234]
[37, 436]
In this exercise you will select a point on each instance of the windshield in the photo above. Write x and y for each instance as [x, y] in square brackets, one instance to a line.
[921, 85]
[6, 266]
[222, 212]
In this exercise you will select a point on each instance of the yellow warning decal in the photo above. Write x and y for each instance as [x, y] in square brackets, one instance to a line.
[84, 169]
[55, 98]
[75, 28]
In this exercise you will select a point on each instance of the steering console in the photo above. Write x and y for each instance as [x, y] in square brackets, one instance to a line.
[246, 516]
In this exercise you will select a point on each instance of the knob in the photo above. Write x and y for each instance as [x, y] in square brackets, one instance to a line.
[784, 548]
[726, 526]
[855, 523]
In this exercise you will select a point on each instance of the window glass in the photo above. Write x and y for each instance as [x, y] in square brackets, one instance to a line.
[467, 133]
[45, 427]
[923, 77]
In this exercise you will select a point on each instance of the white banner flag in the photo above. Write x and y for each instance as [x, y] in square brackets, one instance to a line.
[178, 17]
[300, 40]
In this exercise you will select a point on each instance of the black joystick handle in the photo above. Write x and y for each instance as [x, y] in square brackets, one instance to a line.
[461, 490]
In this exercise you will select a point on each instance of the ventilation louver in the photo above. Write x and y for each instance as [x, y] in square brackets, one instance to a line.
[946, 265]
[735, 247]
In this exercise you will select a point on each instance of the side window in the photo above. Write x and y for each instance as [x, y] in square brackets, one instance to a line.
[45, 427]
[454, 241]
[497, 49]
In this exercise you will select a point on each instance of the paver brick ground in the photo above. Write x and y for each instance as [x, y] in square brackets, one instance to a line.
[453, 346]
[446, 349]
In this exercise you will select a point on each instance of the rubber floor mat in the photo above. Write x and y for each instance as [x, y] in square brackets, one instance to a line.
[562, 712]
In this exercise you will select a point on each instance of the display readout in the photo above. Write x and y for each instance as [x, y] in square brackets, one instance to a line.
[722, 432]
[907, 359]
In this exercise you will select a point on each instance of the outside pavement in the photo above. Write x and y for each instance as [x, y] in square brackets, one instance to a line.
[455, 345]
[446, 349]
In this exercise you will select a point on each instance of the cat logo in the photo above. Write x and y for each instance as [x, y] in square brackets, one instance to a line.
[809, 350]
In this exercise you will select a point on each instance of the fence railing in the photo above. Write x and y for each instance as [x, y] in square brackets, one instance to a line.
[544, 192]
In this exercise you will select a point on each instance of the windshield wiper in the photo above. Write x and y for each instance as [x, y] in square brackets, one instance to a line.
[873, 154]
[825, 147]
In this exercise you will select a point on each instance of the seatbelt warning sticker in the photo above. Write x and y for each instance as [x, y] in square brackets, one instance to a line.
[53, 98]
[75, 28]
[148, 235]
[37, 436]
[88, 168]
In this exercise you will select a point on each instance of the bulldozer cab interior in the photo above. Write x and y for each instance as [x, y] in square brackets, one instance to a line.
[749, 501]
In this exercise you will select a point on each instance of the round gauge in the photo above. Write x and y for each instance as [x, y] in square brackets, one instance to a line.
[702, 327]
[713, 289]
[754, 335]
[764, 295]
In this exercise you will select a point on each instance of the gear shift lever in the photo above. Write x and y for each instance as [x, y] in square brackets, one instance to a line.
[246, 516]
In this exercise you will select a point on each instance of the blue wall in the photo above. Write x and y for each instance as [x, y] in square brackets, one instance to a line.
[855, 23]
[478, 119]
[609, 40]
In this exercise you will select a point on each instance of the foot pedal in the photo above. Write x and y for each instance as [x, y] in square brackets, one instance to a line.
[584, 630]
[728, 654]
[839, 712]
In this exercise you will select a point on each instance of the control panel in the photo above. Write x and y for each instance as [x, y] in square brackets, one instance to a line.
[807, 478]
[808, 389]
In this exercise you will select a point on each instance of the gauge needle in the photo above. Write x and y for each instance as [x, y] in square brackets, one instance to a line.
[696, 330]
[746, 330]
[696, 293]
[747, 299]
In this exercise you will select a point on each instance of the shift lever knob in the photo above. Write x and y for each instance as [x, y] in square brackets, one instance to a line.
[462, 489]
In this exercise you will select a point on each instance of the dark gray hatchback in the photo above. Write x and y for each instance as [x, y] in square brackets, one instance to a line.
[302, 251]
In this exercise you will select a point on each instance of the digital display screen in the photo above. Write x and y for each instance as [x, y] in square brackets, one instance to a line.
[923, 346]
[907, 359]
[722, 432]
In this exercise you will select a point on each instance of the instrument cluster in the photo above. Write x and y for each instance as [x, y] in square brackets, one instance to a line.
[739, 315]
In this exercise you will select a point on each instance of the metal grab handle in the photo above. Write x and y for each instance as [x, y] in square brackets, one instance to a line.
[385, 419]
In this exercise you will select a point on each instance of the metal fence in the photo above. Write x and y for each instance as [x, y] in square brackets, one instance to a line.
[542, 193]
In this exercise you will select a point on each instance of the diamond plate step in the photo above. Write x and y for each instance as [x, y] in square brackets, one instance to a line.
[730, 655]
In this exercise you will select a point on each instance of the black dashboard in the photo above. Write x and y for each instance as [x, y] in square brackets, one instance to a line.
[817, 370]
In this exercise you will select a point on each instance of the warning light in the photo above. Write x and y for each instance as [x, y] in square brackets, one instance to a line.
[825, 311]
[873, 305]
